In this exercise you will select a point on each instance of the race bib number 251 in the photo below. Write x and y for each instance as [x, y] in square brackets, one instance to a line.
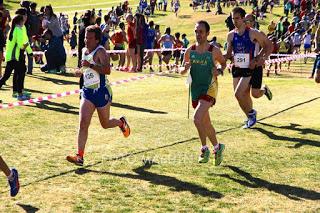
[242, 60]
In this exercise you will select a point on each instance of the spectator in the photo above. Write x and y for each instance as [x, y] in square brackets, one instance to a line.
[141, 33]
[229, 23]
[55, 53]
[51, 22]
[132, 44]
[177, 53]
[279, 28]
[118, 39]
[2, 45]
[185, 42]
[17, 43]
[26, 5]
[152, 6]
[34, 20]
[149, 44]
[73, 42]
[165, 4]
[105, 31]
[75, 21]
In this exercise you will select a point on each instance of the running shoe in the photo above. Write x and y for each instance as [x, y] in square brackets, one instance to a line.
[62, 69]
[125, 128]
[23, 97]
[204, 156]
[268, 92]
[14, 183]
[252, 119]
[76, 160]
[218, 155]
[15, 94]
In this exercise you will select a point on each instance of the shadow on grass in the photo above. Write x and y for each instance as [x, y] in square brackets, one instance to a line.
[291, 192]
[54, 80]
[287, 109]
[156, 179]
[105, 160]
[28, 208]
[299, 141]
[140, 109]
[293, 127]
[57, 107]
[161, 14]
[157, 148]
[37, 91]
[185, 16]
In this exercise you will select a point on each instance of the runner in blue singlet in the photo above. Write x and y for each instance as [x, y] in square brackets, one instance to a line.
[240, 49]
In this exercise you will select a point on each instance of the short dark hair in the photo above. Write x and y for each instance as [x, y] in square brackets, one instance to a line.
[253, 19]
[21, 11]
[206, 25]
[121, 25]
[168, 31]
[240, 11]
[25, 4]
[151, 23]
[96, 30]
[33, 5]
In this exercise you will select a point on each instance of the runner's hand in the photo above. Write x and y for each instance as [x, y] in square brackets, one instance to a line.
[252, 64]
[185, 68]
[260, 62]
[78, 73]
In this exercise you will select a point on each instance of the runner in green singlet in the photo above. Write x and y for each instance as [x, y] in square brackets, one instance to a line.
[200, 58]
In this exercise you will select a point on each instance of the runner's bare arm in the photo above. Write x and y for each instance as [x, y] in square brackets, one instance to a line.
[217, 56]
[112, 39]
[317, 40]
[160, 39]
[228, 55]
[103, 61]
[186, 62]
[266, 47]
[173, 40]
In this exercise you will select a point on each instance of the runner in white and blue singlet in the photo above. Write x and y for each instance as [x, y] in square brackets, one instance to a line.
[96, 93]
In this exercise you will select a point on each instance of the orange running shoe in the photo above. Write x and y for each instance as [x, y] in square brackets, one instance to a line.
[76, 160]
[125, 127]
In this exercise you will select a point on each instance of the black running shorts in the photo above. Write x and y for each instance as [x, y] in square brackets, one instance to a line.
[256, 79]
[241, 72]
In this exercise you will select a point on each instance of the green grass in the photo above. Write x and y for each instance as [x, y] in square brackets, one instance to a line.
[271, 168]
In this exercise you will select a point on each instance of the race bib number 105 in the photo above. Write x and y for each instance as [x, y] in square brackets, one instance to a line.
[242, 60]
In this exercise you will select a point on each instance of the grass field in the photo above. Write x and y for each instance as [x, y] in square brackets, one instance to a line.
[273, 167]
